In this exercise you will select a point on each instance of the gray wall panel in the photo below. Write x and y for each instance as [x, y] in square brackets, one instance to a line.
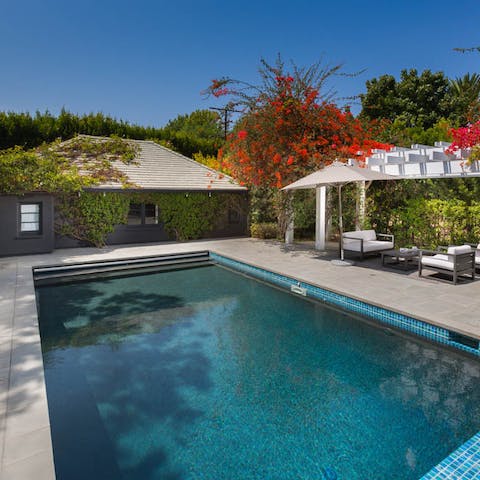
[11, 241]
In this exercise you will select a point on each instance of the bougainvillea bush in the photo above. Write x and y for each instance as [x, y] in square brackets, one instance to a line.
[289, 128]
[466, 138]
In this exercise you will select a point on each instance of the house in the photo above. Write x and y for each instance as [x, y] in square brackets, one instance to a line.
[30, 221]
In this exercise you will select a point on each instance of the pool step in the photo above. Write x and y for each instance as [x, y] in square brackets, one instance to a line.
[114, 267]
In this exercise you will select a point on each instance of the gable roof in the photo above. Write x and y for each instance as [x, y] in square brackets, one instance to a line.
[158, 168]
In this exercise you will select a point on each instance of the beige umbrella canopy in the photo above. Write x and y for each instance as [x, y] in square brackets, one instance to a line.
[338, 174]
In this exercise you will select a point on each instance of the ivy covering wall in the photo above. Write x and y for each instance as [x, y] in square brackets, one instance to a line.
[91, 216]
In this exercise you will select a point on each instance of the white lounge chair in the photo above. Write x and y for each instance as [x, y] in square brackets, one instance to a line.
[457, 261]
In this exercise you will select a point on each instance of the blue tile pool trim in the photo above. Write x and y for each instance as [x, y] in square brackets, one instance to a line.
[463, 463]
[389, 317]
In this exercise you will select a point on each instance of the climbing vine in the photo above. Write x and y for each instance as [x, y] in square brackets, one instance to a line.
[64, 167]
[90, 216]
[188, 216]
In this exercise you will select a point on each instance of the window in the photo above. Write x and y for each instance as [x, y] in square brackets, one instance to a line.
[233, 216]
[143, 214]
[151, 214]
[30, 218]
[135, 214]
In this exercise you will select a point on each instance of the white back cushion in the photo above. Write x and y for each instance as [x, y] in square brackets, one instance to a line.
[365, 234]
[460, 249]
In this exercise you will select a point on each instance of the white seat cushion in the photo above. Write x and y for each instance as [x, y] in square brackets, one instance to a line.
[368, 246]
[376, 245]
[439, 260]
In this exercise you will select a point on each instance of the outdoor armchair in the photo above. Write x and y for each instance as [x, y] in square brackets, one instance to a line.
[367, 242]
[457, 261]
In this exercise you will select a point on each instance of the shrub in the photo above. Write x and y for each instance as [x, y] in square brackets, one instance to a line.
[264, 230]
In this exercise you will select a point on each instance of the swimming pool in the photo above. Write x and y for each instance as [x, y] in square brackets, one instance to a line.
[205, 373]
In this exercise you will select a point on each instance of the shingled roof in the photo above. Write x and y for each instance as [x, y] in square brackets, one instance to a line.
[159, 168]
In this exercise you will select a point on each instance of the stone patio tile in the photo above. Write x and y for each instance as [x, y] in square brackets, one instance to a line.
[21, 447]
[25, 307]
[35, 467]
[30, 413]
[5, 353]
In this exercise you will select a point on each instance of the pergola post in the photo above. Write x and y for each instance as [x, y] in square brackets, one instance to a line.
[290, 223]
[360, 205]
[289, 232]
[320, 224]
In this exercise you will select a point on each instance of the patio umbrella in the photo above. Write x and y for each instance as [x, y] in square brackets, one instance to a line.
[338, 174]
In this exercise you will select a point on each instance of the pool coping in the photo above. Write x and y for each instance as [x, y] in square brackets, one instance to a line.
[27, 450]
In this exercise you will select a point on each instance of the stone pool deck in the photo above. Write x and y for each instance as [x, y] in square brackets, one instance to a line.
[25, 442]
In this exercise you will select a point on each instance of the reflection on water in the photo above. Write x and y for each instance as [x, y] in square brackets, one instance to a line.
[207, 374]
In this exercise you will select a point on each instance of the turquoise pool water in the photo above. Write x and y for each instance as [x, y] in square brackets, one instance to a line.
[206, 374]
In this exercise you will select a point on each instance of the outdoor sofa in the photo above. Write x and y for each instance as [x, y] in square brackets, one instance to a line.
[455, 262]
[365, 242]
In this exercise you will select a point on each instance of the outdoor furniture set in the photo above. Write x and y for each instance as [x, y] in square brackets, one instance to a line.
[453, 261]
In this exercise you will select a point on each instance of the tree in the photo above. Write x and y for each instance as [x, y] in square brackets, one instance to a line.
[416, 100]
[466, 91]
[197, 132]
[203, 124]
[467, 50]
[290, 126]
[193, 133]
[399, 134]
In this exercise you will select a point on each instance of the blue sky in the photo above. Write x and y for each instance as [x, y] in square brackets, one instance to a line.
[147, 61]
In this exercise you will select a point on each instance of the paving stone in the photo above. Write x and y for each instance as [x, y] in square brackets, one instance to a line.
[20, 447]
[38, 466]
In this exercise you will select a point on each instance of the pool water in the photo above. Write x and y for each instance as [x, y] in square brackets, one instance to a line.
[206, 374]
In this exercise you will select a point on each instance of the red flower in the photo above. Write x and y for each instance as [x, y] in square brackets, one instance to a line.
[221, 91]
[242, 134]
[290, 160]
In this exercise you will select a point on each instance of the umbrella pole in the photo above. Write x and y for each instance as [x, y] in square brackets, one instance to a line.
[340, 220]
